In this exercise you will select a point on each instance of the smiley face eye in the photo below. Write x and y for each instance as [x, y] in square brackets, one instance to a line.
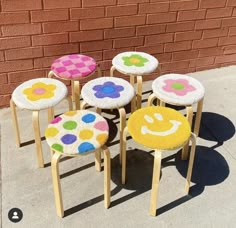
[148, 119]
[158, 116]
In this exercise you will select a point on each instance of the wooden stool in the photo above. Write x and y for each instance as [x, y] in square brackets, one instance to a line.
[74, 67]
[35, 95]
[162, 129]
[136, 65]
[78, 133]
[108, 93]
[180, 90]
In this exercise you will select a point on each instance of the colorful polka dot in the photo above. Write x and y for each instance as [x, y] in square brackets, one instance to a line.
[57, 147]
[85, 147]
[68, 139]
[70, 125]
[51, 132]
[70, 113]
[102, 126]
[88, 118]
[102, 138]
[56, 120]
[86, 134]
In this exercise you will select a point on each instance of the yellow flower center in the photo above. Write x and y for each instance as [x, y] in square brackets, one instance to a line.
[134, 60]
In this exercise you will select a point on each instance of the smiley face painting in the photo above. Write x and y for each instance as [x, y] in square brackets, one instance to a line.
[159, 128]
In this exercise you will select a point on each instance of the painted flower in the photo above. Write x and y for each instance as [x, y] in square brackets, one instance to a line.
[39, 91]
[108, 89]
[178, 86]
[134, 60]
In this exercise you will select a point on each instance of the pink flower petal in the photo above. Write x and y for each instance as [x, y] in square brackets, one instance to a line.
[101, 125]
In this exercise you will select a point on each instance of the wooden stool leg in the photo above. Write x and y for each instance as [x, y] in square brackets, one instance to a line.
[83, 105]
[50, 74]
[107, 177]
[155, 182]
[98, 110]
[139, 91]
[98, 160]
[133, 102]
[57, 184]
[190, 165]
[99, 71]
[37, 137]
[185, 149]
[73, 91]
[123, 156]
[70, 104]
[158, 71]
[15, 122]
[50, 114]
[122, 126]
[151, 98]
[162, 103]
[77, 95]
[198, 117]
[112, 71]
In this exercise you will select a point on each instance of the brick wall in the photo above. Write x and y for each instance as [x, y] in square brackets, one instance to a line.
[185, 36]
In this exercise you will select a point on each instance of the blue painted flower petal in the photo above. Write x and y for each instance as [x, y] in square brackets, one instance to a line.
[68, 139]
[97, 87]
[88, 118]
[119, 88]
[85, 147]
[109, 83]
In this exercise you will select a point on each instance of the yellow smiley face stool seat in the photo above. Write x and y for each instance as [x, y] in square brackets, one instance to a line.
[77, 133]
[35, 95]
[162, 129]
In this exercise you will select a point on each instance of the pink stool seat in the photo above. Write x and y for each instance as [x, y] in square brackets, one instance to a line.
[73, 66]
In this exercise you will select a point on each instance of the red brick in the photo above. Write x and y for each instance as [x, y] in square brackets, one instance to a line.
[16, 5]
[9, 66]
[210, 52]
[163, 58]
[229, 22]
[173, 66]
[44, 62]
[178, 46]
[22, 76]
[5, 100]
[183, 5]
[22, 29]
[212, 3]
[89, 3]
[205, 43]
[153, 8]
[158, 48]
[68, 26]
[83, 13]
[14, 18]
[161, 18]
[227, 40]
[215, 33]
[180, 26]
[161, 38]
[202, 62]
[131, 1]
[57, 38]
[8, 89]
[86, 35]
[191, 35]
[7, 43]
[119, 32]
[228, 50]
[231, 3]
[234, 12]
[98, 23]
[3, 79]
[61, 49]
[105, 65]
[24, 53]
[49, 15]
[150, 29]
[110, 54]
[52, 4]
[1, 56]
[217, 13]
[95, 45]
[185, 55]
[97, 55]
[127, 42]
[112, 11]
[208, 24]
[191, 15]
[225, 58]
[130, 21]
[232, 31]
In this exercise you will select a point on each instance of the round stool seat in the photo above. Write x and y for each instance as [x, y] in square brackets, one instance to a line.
[159, 128]
[178, 89]
[39, 93]
[107, 92]
[135, 63]
[73, 66]
[77, 132]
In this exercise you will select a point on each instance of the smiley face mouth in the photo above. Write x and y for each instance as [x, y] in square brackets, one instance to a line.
[172, 130]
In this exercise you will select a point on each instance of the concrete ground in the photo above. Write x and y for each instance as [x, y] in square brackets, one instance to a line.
[211, 202]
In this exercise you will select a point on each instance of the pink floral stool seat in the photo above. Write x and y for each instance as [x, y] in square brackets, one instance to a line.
[180, 90]
[78, 133]
[136, 65]
[74, 67]
[35, 95]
